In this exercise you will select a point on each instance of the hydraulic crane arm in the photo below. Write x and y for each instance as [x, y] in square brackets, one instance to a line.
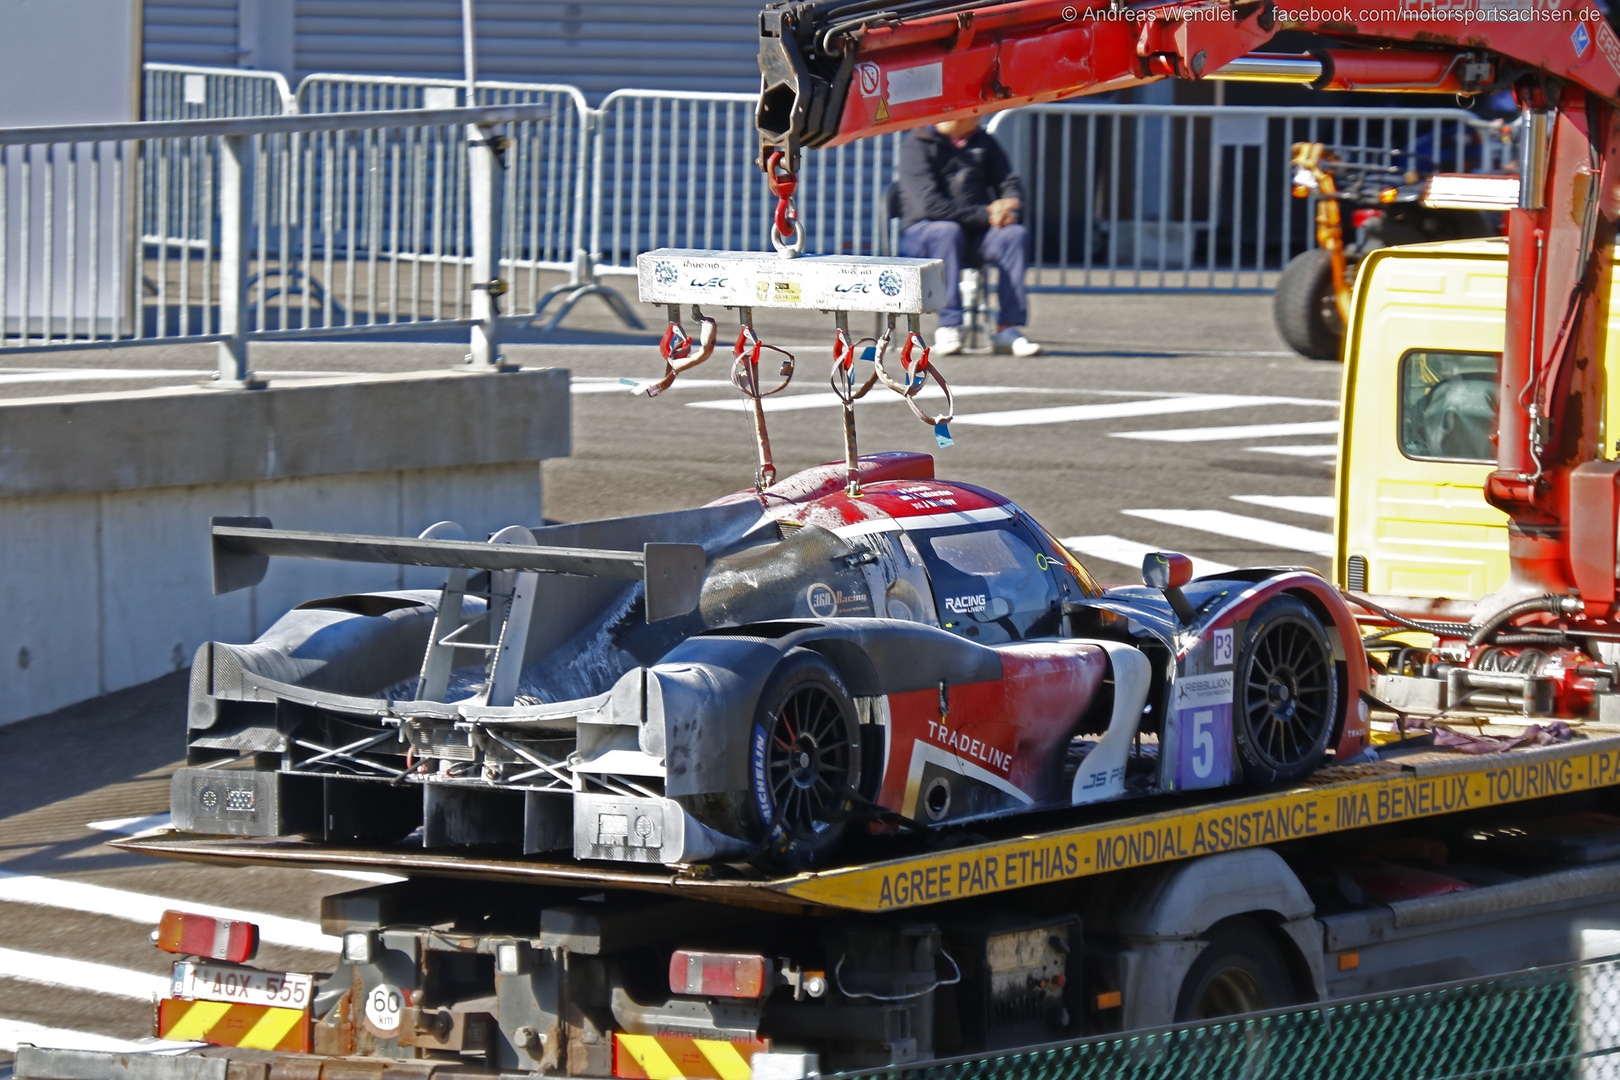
[838, 70]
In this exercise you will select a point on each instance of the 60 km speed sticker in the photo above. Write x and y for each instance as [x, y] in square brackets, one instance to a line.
[382, 1008]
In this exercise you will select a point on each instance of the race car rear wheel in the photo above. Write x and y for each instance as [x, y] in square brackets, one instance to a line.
[806, 759]
[1287, 694]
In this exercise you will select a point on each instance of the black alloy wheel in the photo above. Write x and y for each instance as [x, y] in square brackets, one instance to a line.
[1287, 694]
[809, 761]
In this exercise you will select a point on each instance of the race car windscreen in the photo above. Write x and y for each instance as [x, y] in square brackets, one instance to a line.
[990, 584]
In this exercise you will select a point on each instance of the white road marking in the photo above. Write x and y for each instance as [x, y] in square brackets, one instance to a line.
[1063, 414]
[800, 402]
[14, 1032]
[147, 909]
[1233, 431]
[1117, 549]
[1322, 450]
[1317, 505]
[1257, 530]
[131, 826]
[135, 826]
[375, 877]
[82, 975]
[596, 384]
[46, 375]
[10, 376]
[1171, 352]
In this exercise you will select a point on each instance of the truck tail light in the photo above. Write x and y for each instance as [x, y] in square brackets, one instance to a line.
[735, 975]
[234, 940]
[1359, 218]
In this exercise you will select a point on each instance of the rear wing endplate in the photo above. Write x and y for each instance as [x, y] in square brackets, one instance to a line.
[672, 573]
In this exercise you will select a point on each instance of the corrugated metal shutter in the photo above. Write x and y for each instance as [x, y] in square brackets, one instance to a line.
[190, 32]
[599, 47]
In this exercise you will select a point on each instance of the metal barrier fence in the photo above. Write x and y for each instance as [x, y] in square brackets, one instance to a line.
[1117, 196]
[183, 92]
[370, 216]
[678, 170]
[547, 179]
[259, 227]
[1559, 1022]
[1182, 197]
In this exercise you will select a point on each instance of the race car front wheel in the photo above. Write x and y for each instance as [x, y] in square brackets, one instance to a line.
[1287, 694]
[805, 759]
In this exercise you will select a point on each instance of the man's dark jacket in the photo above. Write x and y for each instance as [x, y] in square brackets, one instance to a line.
[939, 182]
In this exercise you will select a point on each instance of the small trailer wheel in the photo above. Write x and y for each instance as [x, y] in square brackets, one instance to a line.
[1305, 309]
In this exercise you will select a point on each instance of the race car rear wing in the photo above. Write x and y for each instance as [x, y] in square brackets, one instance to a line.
[672, 573]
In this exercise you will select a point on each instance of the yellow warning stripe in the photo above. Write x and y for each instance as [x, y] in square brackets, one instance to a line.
[194, 1019]
[1429, 789]
[222, 1023]
[667, 1057]
[647, 1053]
[728, 1062]
[272, 1029]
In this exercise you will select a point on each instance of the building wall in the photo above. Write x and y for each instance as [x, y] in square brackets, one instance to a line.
[599, 47]
[69, 62]
[202, 32]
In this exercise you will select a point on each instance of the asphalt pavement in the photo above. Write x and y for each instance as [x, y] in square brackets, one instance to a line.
[1153, 421]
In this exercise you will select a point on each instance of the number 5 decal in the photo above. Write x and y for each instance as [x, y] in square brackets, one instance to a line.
[1203, 743]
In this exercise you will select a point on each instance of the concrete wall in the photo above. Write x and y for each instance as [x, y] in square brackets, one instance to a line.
[105, 580]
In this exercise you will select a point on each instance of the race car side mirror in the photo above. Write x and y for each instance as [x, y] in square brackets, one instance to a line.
[1168, 571]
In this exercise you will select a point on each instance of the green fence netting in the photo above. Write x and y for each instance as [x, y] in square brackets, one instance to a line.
[1561, 1022]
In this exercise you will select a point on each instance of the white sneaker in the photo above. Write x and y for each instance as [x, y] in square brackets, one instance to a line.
[947, 341]
[1012, 340]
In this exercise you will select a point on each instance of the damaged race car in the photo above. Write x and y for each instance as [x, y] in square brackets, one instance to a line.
[753, 681]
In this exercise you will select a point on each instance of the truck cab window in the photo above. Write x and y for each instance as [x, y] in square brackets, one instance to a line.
[991, 585]
[1448, 405]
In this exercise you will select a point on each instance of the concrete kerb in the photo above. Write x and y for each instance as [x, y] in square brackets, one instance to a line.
[105, 500]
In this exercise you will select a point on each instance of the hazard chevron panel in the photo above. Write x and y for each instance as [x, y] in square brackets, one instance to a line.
[669, 1057]
[222, 1023]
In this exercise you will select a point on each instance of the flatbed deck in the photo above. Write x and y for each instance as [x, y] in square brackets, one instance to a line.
[1409, 783]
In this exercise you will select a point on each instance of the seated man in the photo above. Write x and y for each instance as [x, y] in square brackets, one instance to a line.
[959, 202]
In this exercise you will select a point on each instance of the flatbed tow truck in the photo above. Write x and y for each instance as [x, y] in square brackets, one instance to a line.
[1470, 847]
[1426, 865]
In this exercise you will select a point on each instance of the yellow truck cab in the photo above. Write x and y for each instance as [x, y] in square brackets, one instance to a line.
[1419, 409]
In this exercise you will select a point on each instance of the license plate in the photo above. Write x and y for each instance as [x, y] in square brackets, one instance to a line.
[246, 986]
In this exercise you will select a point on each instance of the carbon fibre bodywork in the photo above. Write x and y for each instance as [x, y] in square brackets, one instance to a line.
[947, 659]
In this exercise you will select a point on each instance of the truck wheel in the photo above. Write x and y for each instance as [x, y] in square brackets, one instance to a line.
[806, 754]
[1286, 694]
[1306, 313]
[1240, 971]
